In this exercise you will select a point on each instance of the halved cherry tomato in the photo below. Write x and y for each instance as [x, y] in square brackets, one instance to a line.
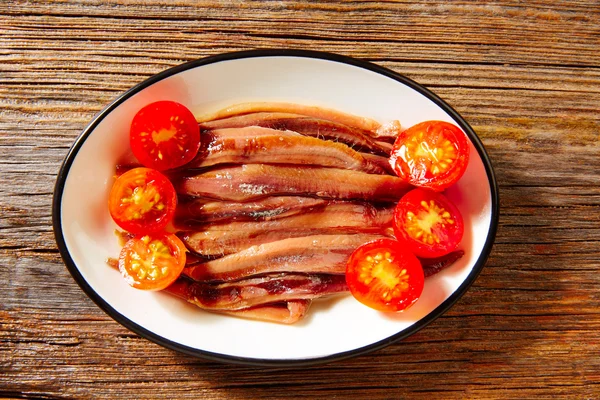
[432, 154]
[384, 275]
[142, 200]
[164, 135]
[428, 222]
[153, 261]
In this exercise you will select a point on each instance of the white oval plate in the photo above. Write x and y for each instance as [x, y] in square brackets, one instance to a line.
[335, 328]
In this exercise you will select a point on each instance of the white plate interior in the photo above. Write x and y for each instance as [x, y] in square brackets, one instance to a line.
[332, 326]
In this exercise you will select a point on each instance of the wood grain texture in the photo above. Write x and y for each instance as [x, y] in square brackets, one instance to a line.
[526, 75]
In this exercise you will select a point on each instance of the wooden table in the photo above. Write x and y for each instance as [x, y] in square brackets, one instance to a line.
[526, 75]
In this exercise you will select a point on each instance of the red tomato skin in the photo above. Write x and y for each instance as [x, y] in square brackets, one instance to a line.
[417, 170]
[370, 294]
[154, 221]
[175, 260]
[164, 135]
[449, 234]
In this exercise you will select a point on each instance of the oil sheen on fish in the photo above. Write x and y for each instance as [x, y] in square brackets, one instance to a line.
[308, 126]
[256, 145]
[327, 254]
[255, 181]
[338, 218]
[366, 124]
[200, 211]
[266, 289]
[286, 312]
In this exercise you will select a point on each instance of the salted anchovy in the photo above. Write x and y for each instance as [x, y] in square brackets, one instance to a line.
[256, 145]
[327, 254]
[287, 312]
[203, 211]
[256, 181]
[381, 162]
[344, 218]
[367, 124]
[252, 292]
[389, 131]
[432, 266]
[307, 126]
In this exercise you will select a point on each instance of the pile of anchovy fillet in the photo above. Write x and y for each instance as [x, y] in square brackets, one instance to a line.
[275, 202]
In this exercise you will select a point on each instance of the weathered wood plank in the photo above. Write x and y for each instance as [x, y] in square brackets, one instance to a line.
[525, 75]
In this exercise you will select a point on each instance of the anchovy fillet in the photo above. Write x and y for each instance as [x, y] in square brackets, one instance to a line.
[257, 291]
[255, 181]
[325, 254]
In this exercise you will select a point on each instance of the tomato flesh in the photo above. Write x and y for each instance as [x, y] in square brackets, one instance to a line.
[385, 276]
[428, 222]
[142, 200]
[152, 262]
[164, 135]
[431, 154]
